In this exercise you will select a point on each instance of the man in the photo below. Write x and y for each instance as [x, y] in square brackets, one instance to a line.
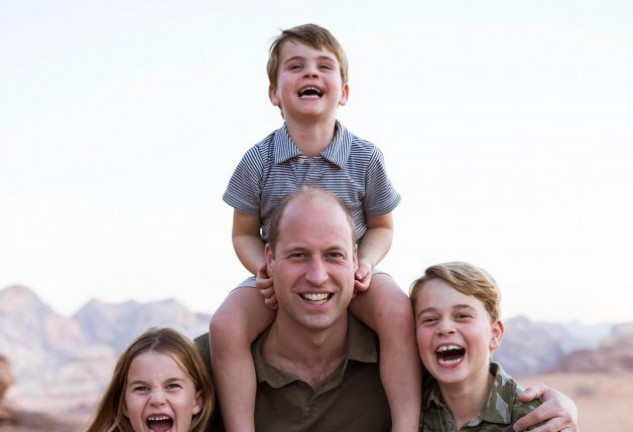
[317, 367]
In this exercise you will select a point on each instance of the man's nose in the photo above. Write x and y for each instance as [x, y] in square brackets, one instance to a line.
[317, 272]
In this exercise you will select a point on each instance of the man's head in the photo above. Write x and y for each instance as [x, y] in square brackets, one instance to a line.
[311, 256]
[309, 34]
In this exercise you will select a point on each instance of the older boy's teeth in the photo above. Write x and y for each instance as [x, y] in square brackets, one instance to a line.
[316, 298]
[448, 348]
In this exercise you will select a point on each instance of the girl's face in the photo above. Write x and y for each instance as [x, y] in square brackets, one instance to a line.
[159, 395]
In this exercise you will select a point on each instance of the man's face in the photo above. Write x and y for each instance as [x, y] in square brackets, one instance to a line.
[313, 264]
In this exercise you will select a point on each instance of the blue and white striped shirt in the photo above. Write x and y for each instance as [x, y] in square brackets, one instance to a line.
[350, 167]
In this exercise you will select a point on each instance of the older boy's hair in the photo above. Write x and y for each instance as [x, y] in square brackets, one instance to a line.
[306, 193]
[468, 280]
[312, 35]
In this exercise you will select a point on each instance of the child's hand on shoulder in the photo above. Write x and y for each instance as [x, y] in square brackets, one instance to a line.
[264, 284]
[363, 277]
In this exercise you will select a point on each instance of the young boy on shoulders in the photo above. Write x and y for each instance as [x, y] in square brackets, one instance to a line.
[307, 71]
[456, 308]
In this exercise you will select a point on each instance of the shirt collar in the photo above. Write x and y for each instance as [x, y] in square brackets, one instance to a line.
[337, 152]
[498, 407]
[361, 347]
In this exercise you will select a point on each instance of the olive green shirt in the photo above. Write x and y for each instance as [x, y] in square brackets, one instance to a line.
[501, 411]
[350, 399]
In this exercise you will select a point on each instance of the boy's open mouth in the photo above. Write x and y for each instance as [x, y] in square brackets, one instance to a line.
[449, 354]
[160, 424]
[310, 92]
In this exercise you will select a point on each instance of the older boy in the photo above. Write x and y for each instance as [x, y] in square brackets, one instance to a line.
[307, 71]
[456, 307]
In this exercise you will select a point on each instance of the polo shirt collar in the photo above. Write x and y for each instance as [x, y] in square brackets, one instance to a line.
[496, 410]
[361, 347]
[337, 152]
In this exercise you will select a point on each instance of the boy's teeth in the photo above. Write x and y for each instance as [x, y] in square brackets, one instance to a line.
[447, 348]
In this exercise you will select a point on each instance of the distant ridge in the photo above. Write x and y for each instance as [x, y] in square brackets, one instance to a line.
[56, 357]
[53, 356]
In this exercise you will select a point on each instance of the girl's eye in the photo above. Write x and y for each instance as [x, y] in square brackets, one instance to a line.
[429, 320]
[141, 388]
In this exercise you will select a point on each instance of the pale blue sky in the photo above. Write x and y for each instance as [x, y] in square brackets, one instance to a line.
[507, 127]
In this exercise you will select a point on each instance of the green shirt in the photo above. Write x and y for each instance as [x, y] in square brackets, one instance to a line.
[350, 399]
[501, 411]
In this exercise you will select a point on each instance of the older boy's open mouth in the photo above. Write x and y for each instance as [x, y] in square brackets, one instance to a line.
[449, 354]
[310, 92]
[160, 424]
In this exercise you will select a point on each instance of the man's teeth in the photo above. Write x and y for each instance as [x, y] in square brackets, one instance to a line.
[316, 298]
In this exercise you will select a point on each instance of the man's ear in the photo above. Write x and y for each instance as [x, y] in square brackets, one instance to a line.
[270, 256]
[496, 334]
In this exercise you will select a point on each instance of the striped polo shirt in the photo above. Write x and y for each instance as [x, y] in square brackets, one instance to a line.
[350, 167]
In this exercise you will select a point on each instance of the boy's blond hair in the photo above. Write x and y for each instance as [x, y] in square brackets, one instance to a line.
[468, 280]
[312, 35]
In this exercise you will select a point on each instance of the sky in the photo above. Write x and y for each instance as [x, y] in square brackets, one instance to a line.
[507, 127]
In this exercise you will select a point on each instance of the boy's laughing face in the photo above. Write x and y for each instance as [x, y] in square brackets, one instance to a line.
[454, 334]
[309, 83]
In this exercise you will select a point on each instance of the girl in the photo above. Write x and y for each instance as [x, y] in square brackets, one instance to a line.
[159, 383]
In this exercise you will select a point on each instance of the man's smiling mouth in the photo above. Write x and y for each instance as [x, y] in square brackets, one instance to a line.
[316, 298]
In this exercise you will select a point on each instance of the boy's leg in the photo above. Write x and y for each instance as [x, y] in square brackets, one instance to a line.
[387, 310]
[234, 326]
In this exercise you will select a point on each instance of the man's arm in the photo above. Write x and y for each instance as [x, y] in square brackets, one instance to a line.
[557, 411]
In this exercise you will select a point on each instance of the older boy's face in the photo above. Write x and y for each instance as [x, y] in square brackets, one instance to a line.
[454, 334]
[309, 83]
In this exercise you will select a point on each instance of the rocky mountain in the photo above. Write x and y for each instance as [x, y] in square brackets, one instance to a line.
[614, 354]
[529, 347]
[57, 358]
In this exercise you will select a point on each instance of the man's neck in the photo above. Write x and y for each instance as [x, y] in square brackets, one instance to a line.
[310, 137]
[465, 400]
[309, 355]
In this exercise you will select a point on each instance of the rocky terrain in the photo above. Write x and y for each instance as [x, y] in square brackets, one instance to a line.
[61, 364]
